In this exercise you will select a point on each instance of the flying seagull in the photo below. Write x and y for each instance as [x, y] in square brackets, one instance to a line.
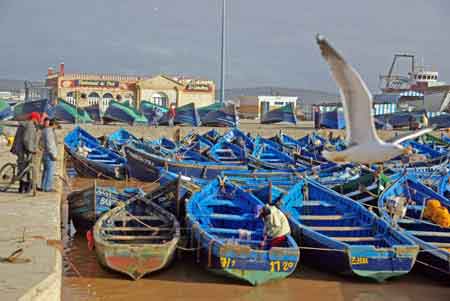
[364, 145]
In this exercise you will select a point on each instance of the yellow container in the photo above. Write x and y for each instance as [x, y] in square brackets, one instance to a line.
[10, 140]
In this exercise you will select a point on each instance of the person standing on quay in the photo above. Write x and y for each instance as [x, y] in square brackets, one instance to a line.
[25, 147]
[172, 114]
[316, 118]
[49, 155]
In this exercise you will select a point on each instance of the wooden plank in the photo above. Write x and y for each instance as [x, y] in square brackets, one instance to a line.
[356, 192]
[320, 217]
[131, 218]
[135, 237]
[142, 228]
[340, 228]
[355, 239]
[316, 203]
[441, 244]
[226, 230]
[366, 199]
[430, 233]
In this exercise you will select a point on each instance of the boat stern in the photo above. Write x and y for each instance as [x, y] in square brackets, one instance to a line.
[380, 264]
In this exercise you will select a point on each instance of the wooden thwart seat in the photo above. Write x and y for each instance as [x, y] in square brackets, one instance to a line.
[356, 192]
[321, 217]
[430, 233]
[340, 228]
[136, 237]
[143, 228]
[355, 239]
[441, 244]
[316, 203]
[133, 218]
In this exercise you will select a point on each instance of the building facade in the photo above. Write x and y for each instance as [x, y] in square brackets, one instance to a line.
[257, 106]
[91, 89]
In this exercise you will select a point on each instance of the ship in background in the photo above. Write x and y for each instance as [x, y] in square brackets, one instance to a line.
[420, 89]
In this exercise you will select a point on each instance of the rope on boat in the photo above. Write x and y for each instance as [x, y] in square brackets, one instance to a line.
[187, 249]
[433, 267]
[322, 249]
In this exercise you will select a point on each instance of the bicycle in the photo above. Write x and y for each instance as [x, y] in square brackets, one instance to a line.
[9, 176]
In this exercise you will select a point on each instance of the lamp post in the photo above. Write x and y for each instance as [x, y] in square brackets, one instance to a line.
[222, 56]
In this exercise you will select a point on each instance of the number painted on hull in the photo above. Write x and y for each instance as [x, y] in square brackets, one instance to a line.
[277, 266]
[360, 260]
[226, 262]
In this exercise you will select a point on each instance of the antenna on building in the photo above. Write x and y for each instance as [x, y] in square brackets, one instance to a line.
[222, 56]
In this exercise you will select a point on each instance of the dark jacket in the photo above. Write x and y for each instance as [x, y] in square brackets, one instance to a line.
[25, 140]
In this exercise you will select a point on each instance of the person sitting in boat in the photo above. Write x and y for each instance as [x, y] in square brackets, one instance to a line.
[276, 227]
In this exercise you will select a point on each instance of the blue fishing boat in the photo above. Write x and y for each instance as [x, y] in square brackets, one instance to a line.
[341, 235]
[119, 138]
[152, 111]
[86, 206]
[91, 159]
[212, 135]
[433, 238]
[143, 163]
[23, 109]
[333, 119]
[186, 114]
[227, 232]
[284, 114]
[123, 112]
[267, 157]
[5, 110]
[226, 152]
[219, 115]
[94, 112]
[239, 138]
[67, 112]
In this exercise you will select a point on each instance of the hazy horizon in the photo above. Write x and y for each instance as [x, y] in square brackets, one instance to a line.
[268, 44]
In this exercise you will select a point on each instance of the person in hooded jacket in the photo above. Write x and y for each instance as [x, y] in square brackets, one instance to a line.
[25, 145]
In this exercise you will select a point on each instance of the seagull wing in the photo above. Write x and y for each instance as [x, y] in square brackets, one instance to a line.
[413, 135]
[356, 98]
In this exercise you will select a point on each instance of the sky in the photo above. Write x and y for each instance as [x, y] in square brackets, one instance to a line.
[268, 43]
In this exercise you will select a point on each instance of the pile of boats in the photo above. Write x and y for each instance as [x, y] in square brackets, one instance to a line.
[366, 221]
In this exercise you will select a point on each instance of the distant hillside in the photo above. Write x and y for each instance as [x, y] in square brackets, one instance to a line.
[304, 95]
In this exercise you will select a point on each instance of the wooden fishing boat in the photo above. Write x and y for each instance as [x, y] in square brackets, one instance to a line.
[267, 157]
[283, 114]
[136, 238]
[91, 159]
[220, 215]
[69, 113]
[123, 112]
[228, 153]
[143, 164]
[186, 114]
[433, 238]
[119, 138]
[343, 236]
[86, 206]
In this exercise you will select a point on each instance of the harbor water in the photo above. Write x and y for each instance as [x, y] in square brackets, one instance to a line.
[85, 279]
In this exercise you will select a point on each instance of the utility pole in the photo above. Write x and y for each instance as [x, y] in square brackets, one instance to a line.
[222, 56]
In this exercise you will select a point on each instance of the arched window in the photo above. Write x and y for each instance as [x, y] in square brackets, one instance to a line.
[70, 97]
[160, 99]
[107, 97]
[93, 98]
[119, 97]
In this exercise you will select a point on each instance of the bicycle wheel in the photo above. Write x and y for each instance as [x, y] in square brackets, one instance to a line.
[7, 176]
